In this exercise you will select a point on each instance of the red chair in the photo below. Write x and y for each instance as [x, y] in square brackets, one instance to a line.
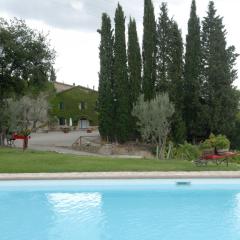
[217, 158]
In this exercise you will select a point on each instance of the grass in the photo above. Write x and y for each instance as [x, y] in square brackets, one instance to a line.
[17, 161]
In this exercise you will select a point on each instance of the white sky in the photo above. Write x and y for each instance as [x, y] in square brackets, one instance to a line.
[73, 24]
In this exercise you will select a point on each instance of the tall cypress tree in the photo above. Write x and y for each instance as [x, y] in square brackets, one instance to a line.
[53, 76]
[170, 68]
[149, 50]
[175, 66]
[169, 58]
[134, 62]
[175, 75]
[192, 78]
[163, 49]
[105, 93]
[134, 69]
[121, 78]
[219, 74]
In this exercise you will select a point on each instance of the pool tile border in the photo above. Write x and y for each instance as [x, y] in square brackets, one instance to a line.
[118, 175]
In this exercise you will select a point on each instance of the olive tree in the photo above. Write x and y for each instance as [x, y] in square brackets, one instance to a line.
[154, 120]
[26, 65]
[4, 117]
[27, 112]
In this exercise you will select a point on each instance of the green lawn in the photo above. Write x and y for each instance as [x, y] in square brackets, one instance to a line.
[16, 161]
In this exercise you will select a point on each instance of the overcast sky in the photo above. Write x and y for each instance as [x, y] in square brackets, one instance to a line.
[73, 24]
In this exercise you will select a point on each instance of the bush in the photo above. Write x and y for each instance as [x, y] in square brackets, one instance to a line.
[235, 159]
[215, 142]
[222, 142]
[206, 145]
[187, 151]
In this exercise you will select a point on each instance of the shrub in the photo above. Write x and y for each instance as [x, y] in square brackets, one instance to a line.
[235, 159]
[212, 139]
[221, 142]
[216, 142]
[206, 145]
[187, 151]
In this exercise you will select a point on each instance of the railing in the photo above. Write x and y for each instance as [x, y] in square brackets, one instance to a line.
[82, 139]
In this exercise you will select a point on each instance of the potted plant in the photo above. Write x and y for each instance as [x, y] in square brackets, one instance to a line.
[66, 129]
[222, 144]
[207, 146]
[89, 130]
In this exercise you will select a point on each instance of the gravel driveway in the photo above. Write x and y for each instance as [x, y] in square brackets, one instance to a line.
[57, 141]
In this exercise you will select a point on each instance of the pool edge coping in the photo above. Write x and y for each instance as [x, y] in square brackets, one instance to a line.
[118, 175]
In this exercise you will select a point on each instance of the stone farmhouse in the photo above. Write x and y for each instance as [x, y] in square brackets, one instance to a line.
[74, 106]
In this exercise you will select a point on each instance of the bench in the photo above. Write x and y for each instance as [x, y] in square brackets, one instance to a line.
[213, 157]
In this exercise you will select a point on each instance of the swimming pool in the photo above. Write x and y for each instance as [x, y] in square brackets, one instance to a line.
[120, 210]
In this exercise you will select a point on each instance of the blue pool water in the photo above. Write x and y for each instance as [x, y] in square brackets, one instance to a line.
[120, 210]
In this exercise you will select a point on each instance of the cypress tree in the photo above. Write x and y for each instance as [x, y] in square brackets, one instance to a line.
[149, 50]
[192, 81]
[121, 79]
[175, 75]
[105, 93]
[175, 66]
[53, 76]
[218, 74]
[170, 68]
[134, 69]
[169, 58]
[163, 49]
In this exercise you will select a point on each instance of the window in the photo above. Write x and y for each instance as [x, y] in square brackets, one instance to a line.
[82, 106]
[61, 105]
[62, 121]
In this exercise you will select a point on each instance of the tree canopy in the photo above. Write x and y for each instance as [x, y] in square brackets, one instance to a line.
[120, 75]
[192, 109]
[26, 58]
[26, 65]
[134, 71]
[154, 119]
[218, 74]
[197, 77]
[106, 94]
[149, 50]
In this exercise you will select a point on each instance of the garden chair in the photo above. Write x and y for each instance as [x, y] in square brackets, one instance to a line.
[213, 157]
[11, 140]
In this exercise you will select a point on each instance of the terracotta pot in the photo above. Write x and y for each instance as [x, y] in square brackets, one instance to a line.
[222, 151]
[89, 130]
